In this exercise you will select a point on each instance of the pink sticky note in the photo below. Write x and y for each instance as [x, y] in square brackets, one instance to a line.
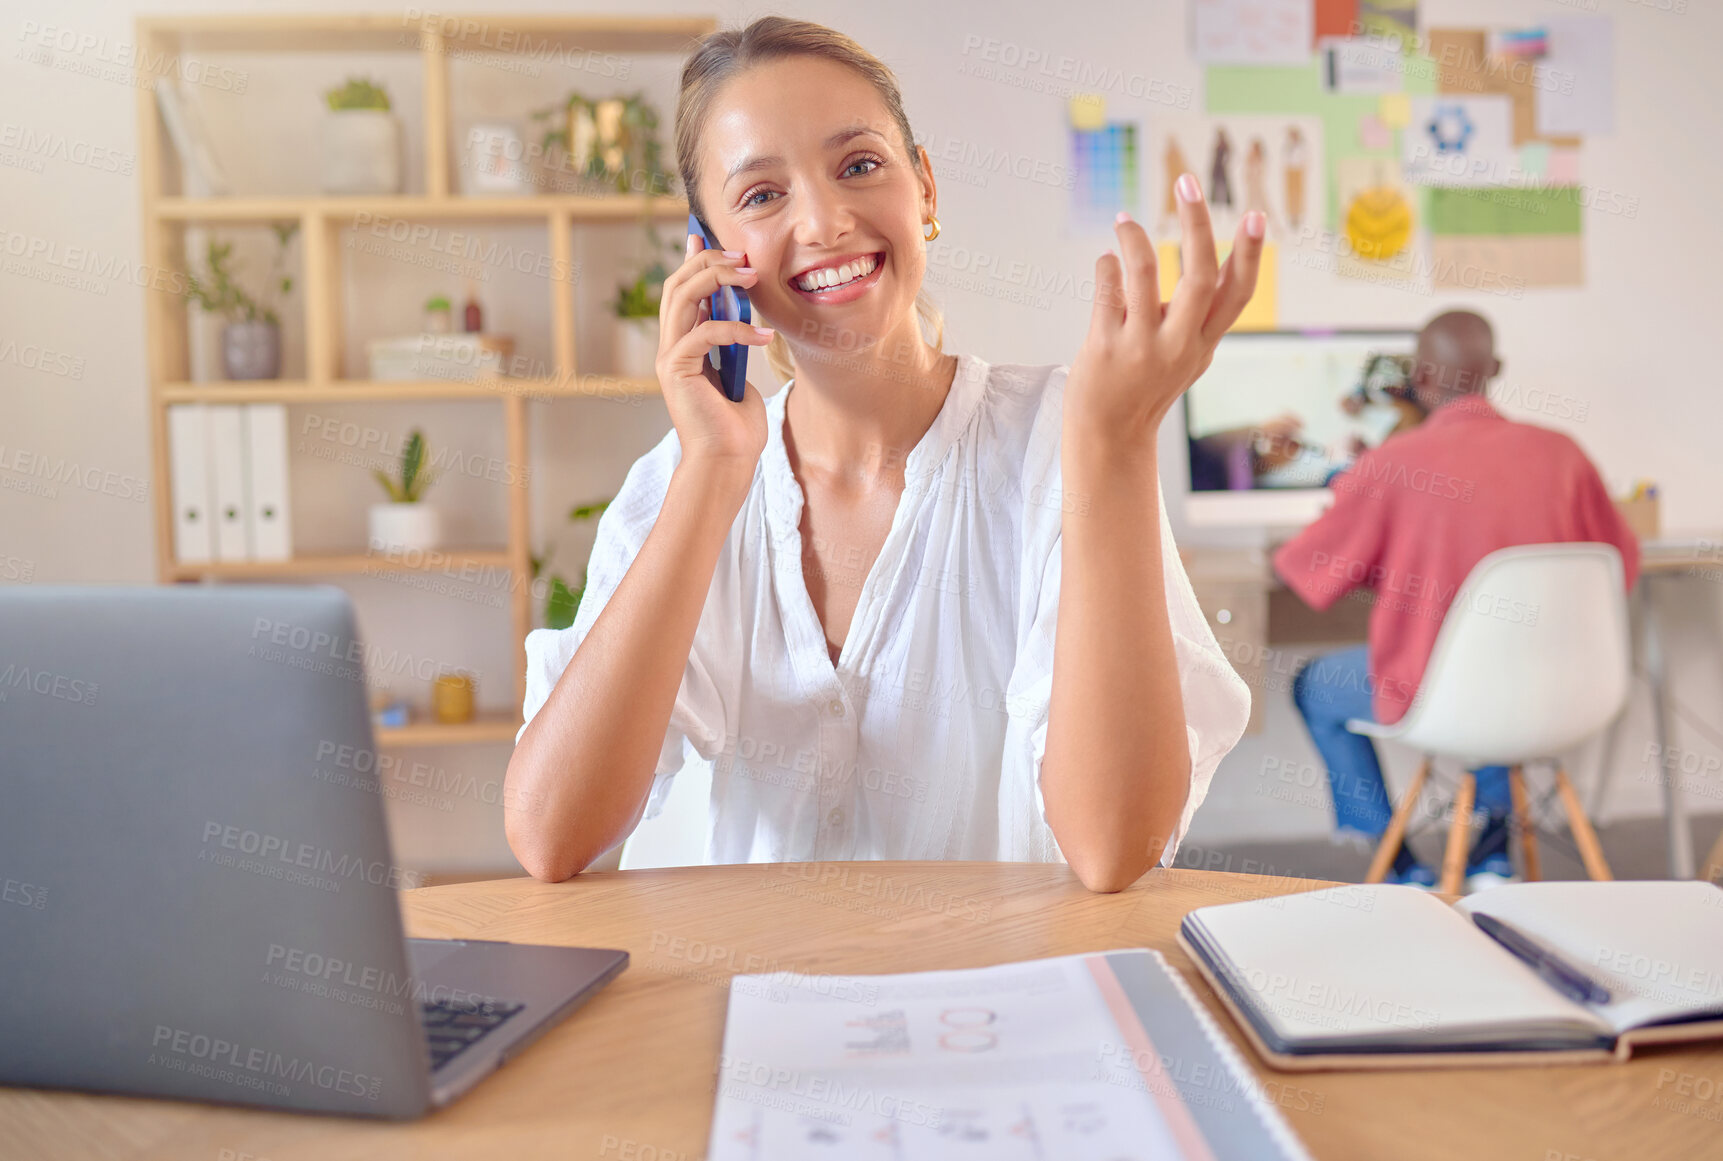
[1563, 167]
[1372, 134]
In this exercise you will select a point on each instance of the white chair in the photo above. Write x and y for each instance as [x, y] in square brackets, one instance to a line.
[1532, 658]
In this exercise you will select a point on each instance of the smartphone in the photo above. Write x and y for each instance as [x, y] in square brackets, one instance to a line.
[730, 304]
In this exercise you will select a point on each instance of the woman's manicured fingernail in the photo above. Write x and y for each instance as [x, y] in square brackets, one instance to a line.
[1189, 190]
[1255, 224]
[1124, 216]
[764, 330]
[744, 269]
[732, 253]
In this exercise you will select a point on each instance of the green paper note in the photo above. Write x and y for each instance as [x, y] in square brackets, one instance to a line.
[1504, 210]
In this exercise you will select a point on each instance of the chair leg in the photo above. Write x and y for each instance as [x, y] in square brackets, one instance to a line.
[1523, 823]
[1460, 830]
[1396, 832]
[1584, 837]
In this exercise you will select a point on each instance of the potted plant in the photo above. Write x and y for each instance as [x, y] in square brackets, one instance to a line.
[439, 315]
[361, 141]
[251, 338]
[634, 341]
[562, 601]
[406, 523]
[611, 143]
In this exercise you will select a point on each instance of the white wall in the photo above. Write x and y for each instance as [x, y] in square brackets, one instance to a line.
[1635, 343]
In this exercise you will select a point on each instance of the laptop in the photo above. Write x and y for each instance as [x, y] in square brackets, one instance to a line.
[197, 895]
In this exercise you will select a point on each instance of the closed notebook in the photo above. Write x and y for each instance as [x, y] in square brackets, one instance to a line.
[1392, 977]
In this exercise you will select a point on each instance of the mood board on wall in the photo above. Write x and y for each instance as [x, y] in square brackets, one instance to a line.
[1382, 148]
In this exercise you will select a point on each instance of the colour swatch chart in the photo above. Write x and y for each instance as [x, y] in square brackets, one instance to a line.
[1104, 169]
[1022, 1060]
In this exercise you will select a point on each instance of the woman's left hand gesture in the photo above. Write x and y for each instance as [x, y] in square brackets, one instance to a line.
[1141, 354]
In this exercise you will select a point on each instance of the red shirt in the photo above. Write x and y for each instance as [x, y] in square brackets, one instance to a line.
[1411, 517]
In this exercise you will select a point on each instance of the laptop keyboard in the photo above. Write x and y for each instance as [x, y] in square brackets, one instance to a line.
[453, 1026]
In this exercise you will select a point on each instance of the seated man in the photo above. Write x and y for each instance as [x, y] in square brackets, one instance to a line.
[1409, 521]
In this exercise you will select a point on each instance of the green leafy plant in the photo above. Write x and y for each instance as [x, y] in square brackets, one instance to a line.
[415, 477]
[640, 119]
[562, 601]
[218, 292]
[437, 305]
[559, 134]
[640, 298]
[358, 93]
[642, 152]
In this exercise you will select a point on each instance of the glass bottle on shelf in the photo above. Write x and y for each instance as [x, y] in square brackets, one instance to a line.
[473, 318]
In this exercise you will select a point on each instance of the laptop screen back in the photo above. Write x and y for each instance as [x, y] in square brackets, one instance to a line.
[197, 898]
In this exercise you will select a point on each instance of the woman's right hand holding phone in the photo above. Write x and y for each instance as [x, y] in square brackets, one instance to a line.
[714, 432]
[586, 759]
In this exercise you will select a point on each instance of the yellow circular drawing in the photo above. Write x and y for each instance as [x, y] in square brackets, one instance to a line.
[1379, 223]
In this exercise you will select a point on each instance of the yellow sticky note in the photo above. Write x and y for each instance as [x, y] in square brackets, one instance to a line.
[1394, 110]
[1088, 111]
[1261, 313]
[1167, 261]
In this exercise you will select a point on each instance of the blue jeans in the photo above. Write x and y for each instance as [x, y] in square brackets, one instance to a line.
[1329, 691]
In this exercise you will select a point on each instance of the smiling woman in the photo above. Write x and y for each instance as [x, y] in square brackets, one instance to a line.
[758, 597]
[866, 138]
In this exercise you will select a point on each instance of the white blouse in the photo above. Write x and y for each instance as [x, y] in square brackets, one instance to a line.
[925, 739]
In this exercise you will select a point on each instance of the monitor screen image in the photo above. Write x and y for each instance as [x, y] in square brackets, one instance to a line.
[1283, 410]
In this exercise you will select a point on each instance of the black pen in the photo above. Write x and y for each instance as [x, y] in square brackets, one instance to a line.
[1573, 984]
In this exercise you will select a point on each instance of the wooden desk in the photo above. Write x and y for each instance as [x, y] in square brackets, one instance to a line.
[1661, 564]
[1249, 609]
[630, 1076]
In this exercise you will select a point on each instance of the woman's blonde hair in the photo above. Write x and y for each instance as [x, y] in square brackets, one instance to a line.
[724, 54]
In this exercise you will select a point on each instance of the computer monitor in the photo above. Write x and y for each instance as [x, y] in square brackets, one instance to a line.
[1280, 413]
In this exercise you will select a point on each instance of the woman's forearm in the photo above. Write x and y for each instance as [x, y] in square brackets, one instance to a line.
[580, 774]
[1116, 773]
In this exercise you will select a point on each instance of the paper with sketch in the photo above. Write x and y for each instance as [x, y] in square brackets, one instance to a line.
[1576, 77]
[1252, 32]
[1018, 1060]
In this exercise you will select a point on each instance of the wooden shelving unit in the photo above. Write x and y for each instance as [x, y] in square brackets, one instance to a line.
[361, 390]
[167, 214]
[448, 208]
[483, 728]
[335, 565]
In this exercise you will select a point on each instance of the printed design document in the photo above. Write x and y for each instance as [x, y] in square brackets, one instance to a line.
[1041, 1059]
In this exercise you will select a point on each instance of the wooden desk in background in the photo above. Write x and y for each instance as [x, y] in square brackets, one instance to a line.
[1250, 610]
[631, 1075]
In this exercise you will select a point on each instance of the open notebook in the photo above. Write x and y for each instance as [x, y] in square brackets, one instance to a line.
[1390, 977]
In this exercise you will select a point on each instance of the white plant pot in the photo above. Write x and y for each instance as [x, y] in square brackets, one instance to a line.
[635, 353]
[361, 152]
[397, 529]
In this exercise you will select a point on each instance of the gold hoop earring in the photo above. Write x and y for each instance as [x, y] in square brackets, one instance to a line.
[935, 234]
